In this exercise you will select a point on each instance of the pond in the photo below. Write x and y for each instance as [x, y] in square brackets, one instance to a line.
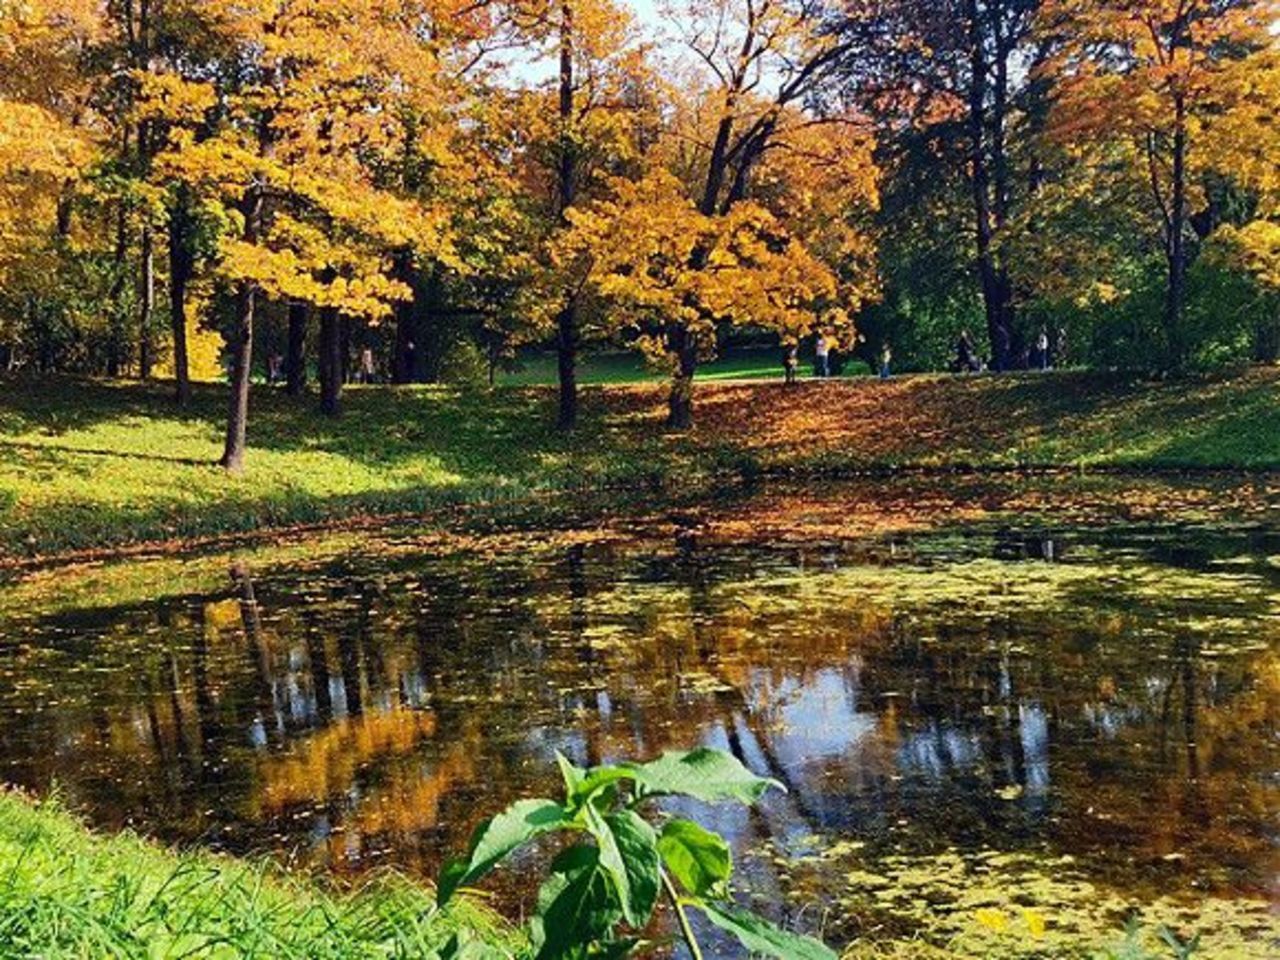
[1078, 719]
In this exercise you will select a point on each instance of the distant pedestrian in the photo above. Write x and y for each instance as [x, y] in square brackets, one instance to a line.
[886, 358]
[822, 356]
[275, 368]
[1042, 349]
[966, 360]
[367, 370]
[790, 361]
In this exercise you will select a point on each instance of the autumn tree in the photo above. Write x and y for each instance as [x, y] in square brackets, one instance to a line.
[51, 136]
[1170, 91]
[287, 167]
[954, 89]
[736, 116]
[574, 133]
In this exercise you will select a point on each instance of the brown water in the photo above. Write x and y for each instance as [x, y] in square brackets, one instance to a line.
[1107, 695]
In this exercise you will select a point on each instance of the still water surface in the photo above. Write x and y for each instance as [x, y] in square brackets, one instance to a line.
[1107, 698]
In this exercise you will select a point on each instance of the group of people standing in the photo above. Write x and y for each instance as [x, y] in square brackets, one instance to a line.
[1044, 352]
[366, 370]
[822, 367]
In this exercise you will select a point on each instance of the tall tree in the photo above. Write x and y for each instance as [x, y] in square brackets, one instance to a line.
[762, 67]
[961, 77]
[575, 135]
[307, 103]
[1163, 83]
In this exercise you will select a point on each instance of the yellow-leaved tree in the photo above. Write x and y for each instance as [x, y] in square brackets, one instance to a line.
[1159, 93]
[50, 135]
[752, 207]
[291, 145]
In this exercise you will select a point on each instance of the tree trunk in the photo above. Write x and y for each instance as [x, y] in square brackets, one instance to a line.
[146, 302]
[567, 321]
[181, 266]
[241, 344]
[995, 290]
[1175, 245]
[1266, 335]
[295, 360]
[567, 350]
[241, 349]
[344, 349]
[405, 314]
[680, 401]
[330, 362]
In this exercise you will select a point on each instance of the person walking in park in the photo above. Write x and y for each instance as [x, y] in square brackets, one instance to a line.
[886, 358]
[790, 362]
[966, 360]
[366, 372]
[1042, 350]
[1059, 347]
[822, 356]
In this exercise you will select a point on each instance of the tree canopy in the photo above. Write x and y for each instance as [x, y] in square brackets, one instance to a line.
[420, 189]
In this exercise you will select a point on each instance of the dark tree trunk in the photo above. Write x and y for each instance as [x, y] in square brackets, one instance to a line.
[567, 320]
[995, 285]
[241, 347]
[181, 266]
[1175, 241]
[330, 362]
[240, 344]
[295, 359]
[405, 313]
[344, 349]
[146, 303]
[566, 355]
[115, 296]
[680, 401]
[1266, 336]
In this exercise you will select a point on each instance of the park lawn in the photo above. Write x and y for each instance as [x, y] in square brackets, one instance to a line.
[91, 464]
[67, 892]
[600, 369]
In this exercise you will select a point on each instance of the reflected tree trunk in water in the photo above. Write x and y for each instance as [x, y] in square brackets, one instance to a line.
[260, 654]
[375, 667]
[206, 710]
[318, 660]
[575, 559]
[181, 746]
[349, 662]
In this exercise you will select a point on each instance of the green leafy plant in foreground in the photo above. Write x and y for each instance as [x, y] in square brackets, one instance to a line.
[602, 889]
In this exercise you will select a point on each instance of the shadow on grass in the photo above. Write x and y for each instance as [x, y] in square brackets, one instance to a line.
[53, 448]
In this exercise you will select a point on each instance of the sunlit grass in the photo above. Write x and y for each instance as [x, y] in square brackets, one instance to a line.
[65, 892]
[89, 464]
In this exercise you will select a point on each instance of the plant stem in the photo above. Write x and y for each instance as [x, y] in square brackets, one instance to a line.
[686, 931]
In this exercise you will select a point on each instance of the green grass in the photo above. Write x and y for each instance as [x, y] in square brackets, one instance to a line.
[66, 892]
[600, 369]
[88, 464]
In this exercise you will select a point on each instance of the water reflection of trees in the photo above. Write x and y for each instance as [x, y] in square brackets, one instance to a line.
[375, 712]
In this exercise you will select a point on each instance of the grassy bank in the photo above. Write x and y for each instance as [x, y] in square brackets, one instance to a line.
[89, 464]
[65, 892]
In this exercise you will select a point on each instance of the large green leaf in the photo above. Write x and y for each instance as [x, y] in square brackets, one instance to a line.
[629, 853]
[704, 774]
[496, 838]
[466, 946]
[695, 856]
[576, 906]
[571, 774]
[758, 935]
